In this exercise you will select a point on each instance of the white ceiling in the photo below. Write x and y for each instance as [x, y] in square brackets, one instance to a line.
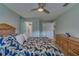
[24, 9]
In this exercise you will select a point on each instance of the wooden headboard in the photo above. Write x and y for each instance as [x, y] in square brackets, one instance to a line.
[6, 29]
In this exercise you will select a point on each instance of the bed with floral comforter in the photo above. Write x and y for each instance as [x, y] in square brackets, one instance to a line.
[10, 47]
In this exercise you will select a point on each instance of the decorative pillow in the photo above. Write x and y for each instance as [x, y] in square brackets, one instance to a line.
[20, 39]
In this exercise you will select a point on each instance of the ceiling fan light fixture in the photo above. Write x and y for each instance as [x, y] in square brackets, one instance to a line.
[40, 10]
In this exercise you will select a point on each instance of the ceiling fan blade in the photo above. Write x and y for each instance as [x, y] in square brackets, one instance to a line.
[46, 11]
[66, 4]
[34, 9]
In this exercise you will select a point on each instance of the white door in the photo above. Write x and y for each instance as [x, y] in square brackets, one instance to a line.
[28, 28]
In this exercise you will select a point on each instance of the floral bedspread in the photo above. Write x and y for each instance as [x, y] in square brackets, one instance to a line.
[10, 47]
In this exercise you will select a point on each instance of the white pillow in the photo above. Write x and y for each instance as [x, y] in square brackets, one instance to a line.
[25, 36]
[20, 39]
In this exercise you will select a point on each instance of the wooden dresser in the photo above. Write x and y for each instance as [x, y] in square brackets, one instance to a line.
[68, 45]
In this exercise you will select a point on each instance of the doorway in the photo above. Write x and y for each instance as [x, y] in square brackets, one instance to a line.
[29, 28]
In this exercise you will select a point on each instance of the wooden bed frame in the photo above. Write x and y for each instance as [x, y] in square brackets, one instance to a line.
[6, 29]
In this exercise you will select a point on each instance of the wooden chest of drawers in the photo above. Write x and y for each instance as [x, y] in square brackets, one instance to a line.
[68, 45]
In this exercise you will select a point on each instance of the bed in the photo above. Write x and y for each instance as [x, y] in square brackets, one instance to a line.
[34, 46]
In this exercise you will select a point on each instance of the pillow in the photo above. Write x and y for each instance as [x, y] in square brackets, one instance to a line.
[25, 36]
[20, 39]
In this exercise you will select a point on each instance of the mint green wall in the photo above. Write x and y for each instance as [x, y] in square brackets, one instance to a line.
[22, 25]
[9, 17]
[36, 30]
[69, 22]
[35, 25]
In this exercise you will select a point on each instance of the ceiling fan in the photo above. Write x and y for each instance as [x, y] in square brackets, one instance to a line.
[41, 8]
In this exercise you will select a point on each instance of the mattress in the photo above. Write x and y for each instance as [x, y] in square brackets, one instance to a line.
[9, 46]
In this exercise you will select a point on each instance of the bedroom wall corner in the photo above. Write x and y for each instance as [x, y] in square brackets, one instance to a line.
[9, 17]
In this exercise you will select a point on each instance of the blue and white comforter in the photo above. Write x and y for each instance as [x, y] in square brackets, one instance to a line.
[10, 47]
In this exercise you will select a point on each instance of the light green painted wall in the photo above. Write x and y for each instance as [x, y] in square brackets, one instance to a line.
[69, 22]
[22, 25]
